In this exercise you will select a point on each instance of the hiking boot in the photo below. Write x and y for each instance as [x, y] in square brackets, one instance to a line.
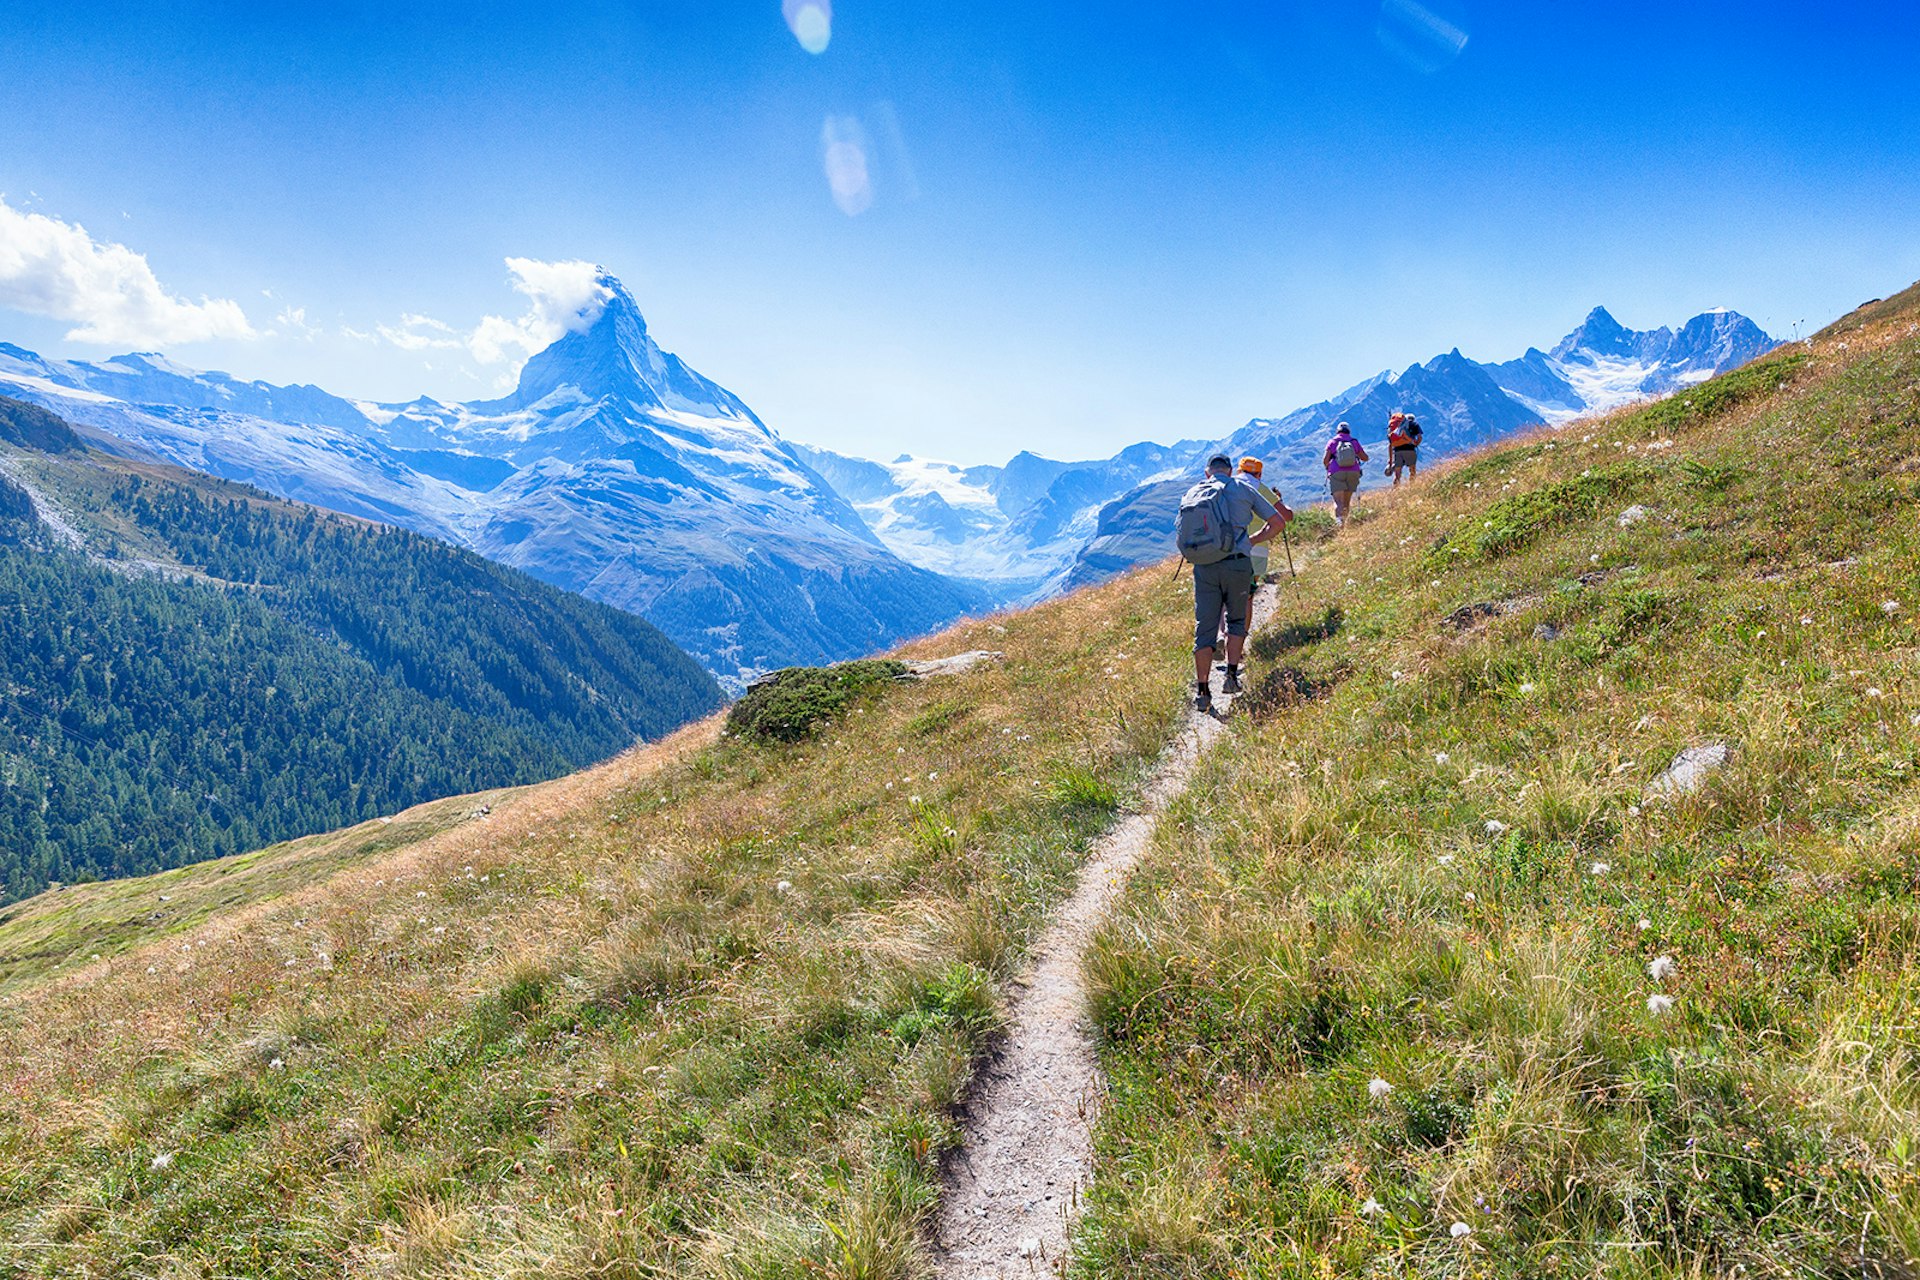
[1202, 697]
[1232, 683]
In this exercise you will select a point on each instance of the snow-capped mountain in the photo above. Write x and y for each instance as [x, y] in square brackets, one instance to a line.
[1602, 364]
[613, 469]
[1076, 523]
[1010, 530]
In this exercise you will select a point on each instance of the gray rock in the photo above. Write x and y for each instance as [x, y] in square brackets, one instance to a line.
[1690, 769]
[1546, 631]
[1632, 515]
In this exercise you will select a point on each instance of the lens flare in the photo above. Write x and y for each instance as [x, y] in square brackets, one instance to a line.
[811, 22]
[1419, 37]
[843, 150]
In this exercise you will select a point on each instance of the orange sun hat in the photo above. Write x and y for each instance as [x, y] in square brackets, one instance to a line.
[1252, 466]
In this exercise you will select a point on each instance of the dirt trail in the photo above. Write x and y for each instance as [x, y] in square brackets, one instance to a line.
[1014, 1186]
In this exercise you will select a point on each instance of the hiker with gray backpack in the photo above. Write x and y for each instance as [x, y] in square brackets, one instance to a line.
[1212, 536]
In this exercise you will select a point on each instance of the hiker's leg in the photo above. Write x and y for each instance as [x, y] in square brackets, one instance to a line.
[1208, 603]
[1238, 589]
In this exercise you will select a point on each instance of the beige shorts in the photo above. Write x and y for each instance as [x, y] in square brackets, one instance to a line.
[1343, 481]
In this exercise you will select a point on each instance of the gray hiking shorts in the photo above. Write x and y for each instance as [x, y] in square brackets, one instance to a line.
[1226, 585]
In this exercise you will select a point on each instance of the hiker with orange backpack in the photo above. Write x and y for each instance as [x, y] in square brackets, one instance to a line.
[1403, 438]
[1345, 459]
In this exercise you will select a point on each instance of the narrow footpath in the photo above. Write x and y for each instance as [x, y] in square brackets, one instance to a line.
[1013, 1188]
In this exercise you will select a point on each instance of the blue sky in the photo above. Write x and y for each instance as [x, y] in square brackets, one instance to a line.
[1085, 224]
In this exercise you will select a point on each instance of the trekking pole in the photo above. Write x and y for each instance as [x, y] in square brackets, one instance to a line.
[1287, 542]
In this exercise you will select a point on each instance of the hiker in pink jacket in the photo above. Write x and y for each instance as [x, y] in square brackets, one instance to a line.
[1345, 460]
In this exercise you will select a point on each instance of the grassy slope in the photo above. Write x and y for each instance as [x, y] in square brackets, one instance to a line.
[699, 1011]
[81, 923]
[1446, 873]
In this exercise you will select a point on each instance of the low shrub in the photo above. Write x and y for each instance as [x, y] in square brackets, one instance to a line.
[789, 705]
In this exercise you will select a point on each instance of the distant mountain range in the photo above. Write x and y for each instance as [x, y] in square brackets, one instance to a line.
[613, 469]
[192, 667]
[1035, 527]
[616, 470]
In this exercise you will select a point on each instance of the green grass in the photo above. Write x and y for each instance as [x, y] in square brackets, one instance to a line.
[1431, 859]
[704, 1011]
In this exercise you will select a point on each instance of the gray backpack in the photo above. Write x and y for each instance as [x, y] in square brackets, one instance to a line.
[1205, 533]
[1345, 456]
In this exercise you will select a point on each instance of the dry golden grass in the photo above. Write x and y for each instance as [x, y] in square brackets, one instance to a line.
[701, 1010]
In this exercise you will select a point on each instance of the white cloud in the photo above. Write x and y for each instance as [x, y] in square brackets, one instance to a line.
[420, 333]
[56, 269]
[292, 322]
[562, 297]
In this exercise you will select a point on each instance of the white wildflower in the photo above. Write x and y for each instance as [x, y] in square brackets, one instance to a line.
[1594, 558]
[1396, 676]
[152, 969]
[1874, 693]
[933, 775]
[1459, 1231]
[1469, 899]
[278, 1064]
[1372, 1208]
[1645, 924]
[1495, 827]
[1440, 757]
[1526, 686]
[421, 894]
[1600, 868]
[439, 928]
[1661, 968]
[1658, 1003]
[1436, 582]
[1889, 607]
[291, 963]
[1633, 811]
[899, 751]
[162, 1161]
[1378, 1089]
[784, 886]
[1445, 859]
[913, 799]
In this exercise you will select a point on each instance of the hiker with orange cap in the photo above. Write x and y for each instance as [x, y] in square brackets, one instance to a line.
[1403, 437]
[1250, 469]
[1345, 459]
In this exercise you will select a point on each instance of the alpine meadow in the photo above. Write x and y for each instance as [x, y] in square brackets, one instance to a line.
[1438, 967]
